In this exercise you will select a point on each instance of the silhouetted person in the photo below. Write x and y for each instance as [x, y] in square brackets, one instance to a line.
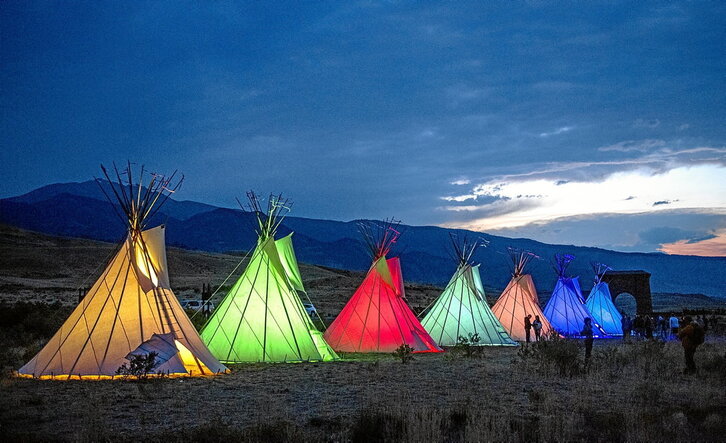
[587, 333]
[674, 323]
[648, 326]
[691, 336]
[661, 327]
[626, 324]
[638, 325]
[527, 325]
[537, 326]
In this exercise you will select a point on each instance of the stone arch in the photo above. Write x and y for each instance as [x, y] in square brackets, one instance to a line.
[635, 283]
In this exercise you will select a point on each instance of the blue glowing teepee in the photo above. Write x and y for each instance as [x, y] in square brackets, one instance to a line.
[565, 309]
[600, 303]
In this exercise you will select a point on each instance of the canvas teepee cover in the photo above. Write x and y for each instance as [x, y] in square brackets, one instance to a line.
[519, 299]
[377, 318]
[600, 304]
[261, 319]
[462, 310]
[565, 308]
[130, 308]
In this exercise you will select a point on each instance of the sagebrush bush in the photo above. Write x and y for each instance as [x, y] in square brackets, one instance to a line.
[139, 366]
[468, 346]
[404, 352]
[644, 357]
[555, 355]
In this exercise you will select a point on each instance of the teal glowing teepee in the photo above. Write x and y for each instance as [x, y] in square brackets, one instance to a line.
[261, 319]
[600, 303]
[461, 311]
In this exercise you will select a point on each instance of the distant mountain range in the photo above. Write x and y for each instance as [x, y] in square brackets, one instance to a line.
[82, 210]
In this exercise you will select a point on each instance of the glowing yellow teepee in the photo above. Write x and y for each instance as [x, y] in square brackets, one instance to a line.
[130, 310]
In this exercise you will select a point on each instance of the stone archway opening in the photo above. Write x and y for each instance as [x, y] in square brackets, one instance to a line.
[626, 304]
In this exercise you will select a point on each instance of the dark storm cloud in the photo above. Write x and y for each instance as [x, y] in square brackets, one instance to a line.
[663, 202]
[664, 234]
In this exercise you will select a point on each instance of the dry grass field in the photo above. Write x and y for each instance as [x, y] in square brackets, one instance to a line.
[628, 391]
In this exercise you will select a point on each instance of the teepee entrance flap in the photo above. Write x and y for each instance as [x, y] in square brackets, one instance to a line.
[382, 268]
[289, 262]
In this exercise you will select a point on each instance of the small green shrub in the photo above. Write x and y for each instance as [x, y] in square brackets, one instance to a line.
[139, 366]
[602, 425]
[404, 352]
[454, 423]
[536, 396]
[468, 346]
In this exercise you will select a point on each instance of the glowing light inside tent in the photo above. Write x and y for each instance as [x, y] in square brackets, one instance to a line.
[143, 263]
[121, 315]
[190, 362]
[600, 304]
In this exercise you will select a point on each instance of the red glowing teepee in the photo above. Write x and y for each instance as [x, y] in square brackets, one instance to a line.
[377, 318]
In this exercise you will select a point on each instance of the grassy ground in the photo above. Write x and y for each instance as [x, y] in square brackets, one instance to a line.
[629, 392]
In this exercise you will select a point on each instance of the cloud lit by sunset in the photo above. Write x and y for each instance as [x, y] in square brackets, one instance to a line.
[522, 202]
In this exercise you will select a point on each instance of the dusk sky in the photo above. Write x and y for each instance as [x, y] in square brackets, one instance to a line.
[588, 123]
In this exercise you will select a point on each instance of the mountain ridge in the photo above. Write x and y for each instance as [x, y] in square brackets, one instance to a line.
[81, 210]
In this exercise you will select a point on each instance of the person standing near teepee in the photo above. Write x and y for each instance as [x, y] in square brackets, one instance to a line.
[537, 326]
[589, 339]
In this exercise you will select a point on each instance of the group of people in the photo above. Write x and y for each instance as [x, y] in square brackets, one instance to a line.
[691, 332]
[646, 326]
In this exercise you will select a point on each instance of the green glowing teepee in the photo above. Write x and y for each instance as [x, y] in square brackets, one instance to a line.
[461, 311]
[261, 319]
